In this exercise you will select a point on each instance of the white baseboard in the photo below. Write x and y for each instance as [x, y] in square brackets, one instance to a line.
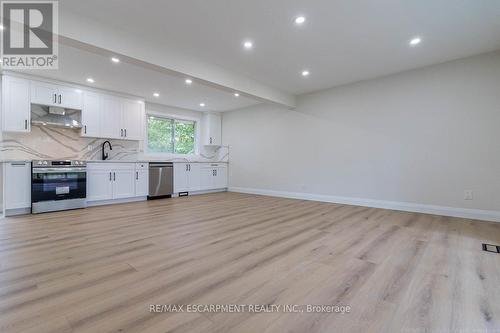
[476, 214]
[17, 211]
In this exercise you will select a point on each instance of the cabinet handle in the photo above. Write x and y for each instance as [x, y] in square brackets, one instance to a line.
[114, 176]
[186, 167]
[137, 175]
[85, 129]
[189, 167]
[110, 177]
[210, 140]
[60, 98]
[121, 132]
[215, 172]
[25, 124]
[55, 98]
[125, 132]
[17, 164]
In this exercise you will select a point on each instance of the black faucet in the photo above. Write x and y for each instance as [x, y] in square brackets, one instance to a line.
[105, 155]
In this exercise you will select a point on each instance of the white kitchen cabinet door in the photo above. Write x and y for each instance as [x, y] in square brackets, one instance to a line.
[110, 119]
[212, 129]
[91, 113]
[194, 177]
[207, 176]
[68, 97]
[16, 107]
[44, 93]
[132, 119]
[17, 185]
[181, 174]
[99, 184]
[123, 183]
[220, 179]
[141, 183]
[141, 179]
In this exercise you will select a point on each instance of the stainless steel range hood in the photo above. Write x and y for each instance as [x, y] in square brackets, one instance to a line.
[55, 117]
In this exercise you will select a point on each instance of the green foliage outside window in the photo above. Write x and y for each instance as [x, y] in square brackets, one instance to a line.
[170, 136]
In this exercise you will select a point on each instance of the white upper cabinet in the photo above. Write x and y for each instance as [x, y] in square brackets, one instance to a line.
[44, 93]
[103, 115]
[91, 114]
[110, 119]
[211, 134]
[70, 98]
[16, 107]
[132, 118]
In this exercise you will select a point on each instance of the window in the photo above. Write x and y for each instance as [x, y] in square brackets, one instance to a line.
[166, 135]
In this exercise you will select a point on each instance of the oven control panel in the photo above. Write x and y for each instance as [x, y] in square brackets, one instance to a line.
[58, 163]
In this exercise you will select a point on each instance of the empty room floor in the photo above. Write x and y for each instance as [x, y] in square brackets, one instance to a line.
[100, 269]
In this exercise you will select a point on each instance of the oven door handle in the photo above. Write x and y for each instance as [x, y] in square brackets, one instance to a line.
[58, 170]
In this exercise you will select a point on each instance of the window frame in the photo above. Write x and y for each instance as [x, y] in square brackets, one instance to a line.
[174, 117]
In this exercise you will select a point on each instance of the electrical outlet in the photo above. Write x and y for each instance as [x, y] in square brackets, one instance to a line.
[90, 148]
[468, 195]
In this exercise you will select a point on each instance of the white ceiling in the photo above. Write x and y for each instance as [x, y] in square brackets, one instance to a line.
[76, 65]
[341, 41]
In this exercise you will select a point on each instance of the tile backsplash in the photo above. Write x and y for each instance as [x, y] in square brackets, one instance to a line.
[58, 143]
[44, 142]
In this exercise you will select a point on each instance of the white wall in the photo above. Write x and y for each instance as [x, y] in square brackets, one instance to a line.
[422, 136]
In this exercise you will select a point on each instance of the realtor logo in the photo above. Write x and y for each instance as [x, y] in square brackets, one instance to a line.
[29, 34]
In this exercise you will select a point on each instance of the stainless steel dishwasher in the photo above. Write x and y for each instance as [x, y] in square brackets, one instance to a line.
[161, 180]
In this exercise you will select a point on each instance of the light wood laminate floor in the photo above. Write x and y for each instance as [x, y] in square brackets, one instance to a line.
[99, 269]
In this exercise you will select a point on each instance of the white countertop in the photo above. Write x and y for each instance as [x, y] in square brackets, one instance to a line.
[121, 161]
[148, 161]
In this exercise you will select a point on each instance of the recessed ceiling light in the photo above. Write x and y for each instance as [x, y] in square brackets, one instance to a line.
[1, 27]
[90, 80]
[202, 105]
[156, 94]
[415, 41]
[300, 20]
[115, 60]
[236, 95]
[305, 73]
[247, 45]
[189, 81]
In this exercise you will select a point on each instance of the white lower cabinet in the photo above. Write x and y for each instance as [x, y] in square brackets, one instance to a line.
[213, 176]
[220, 180]
[141, 179]
[186, 177]
[99, 184]
[199, 176]
[124, 182]
[110, 181]
[17, 185]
